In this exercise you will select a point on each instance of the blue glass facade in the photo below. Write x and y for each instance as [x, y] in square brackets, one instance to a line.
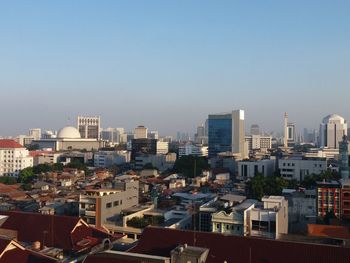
[219, 134]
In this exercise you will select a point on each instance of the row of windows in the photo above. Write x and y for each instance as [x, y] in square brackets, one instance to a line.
[115, 203]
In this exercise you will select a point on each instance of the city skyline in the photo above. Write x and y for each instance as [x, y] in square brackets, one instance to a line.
[191, 131]
[169, 65]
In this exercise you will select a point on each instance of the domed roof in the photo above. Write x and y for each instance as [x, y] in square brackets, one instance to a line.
[333, 117]
[68, 133]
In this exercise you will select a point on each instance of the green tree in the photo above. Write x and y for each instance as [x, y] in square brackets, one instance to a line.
[259, 185]
[191, 166]
[8, 180]
[26, 175]
[42, 168]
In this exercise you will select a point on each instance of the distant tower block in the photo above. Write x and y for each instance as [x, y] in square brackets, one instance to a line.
[285, 141]
[344, 158]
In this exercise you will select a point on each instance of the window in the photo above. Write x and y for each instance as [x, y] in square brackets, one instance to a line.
[121, 202]
[108, 205]
[227, 227]
[116, 203]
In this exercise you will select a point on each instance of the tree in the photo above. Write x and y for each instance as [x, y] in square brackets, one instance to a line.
[191, 166]
[42, 168]
[260, 185]
[8, 180]
[26, 175]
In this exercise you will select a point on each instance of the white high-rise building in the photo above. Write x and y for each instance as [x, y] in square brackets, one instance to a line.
[13, 158]
[89, 127]
[332, 130]
[140, 132]
[238, 133]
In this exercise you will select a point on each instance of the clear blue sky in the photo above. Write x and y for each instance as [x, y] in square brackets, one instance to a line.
[168, 64]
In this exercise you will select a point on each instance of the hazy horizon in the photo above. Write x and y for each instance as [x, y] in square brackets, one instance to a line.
[167, 65]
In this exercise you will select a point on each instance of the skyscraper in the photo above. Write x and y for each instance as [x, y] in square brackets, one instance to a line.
[226, 133]
[332, 130]
[344, 158]
[285, 139]
[89, 127]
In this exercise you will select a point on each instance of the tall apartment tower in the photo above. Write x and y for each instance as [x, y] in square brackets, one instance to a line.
[285, 139]
[332, 130]
[226, 133]
[344, 158]
[238, 134]
[89, 127]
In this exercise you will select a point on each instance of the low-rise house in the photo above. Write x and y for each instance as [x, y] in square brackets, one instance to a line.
[50, 233]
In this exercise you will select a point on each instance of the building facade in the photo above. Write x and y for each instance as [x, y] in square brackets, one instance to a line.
[97, 206]
[226, 133]
[332, 130]
[299, 167]
[194, 150]
[13, 158]
[140, 132]
[89, 127]
[248, 169]
[328, 198]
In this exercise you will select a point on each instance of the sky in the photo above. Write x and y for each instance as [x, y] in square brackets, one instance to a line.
[168, 64]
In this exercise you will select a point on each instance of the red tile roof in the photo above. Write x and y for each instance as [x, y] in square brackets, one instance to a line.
[54, 231]
[19, 254]
[160, 242]
[9, 144]
[341, 232]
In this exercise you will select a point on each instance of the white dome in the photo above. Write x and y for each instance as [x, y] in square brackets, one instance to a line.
[333, 117]
[68, 133]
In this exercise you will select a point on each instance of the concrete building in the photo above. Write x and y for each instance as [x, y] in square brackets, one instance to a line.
[332, 130]
[35, 133]
[301, 209]
[162, 147]
[89, 127]
[268, 221]
[143, 146]
[140, 132]
[258, 142]
[226, 133]
[161, 161]
[97, 206]
[13, 158]
[113, 135]
[234, 221]
[68, 138]
[345, 198]
[191, 149]
[153, 135]
[299, 167]
[328, 198]
[105, 159]
[42, 157]
[344, 158]
[248, 169]
[285, 137]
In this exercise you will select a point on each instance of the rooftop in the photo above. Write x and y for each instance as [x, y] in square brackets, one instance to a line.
[9, 144]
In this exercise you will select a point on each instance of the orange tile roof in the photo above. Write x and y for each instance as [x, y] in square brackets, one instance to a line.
[328, 231]
[9, 144]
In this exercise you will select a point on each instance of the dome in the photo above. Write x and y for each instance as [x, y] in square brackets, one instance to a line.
[333, 117]
[68, 133]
